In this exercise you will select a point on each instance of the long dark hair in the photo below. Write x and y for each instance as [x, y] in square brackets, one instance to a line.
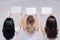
[8, 28]
[51, 27]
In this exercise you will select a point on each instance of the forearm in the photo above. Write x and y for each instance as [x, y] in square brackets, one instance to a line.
[22, 21]
[36, 23]
[42, 29]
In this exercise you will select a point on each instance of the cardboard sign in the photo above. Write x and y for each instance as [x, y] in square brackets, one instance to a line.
[31, 10]
[46, 10]
[15, 10]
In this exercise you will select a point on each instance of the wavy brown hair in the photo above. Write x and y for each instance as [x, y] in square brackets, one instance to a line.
[30, 21]
[51, 27]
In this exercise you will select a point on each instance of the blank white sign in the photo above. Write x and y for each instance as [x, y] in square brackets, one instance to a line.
[15, 10]
[31, 10]
[46, 10]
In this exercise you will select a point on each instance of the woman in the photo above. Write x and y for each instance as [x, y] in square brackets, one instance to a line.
[8, 28]
[50, 28]
[29, 24]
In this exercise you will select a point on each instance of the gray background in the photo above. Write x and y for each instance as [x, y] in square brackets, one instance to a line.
[6, 4]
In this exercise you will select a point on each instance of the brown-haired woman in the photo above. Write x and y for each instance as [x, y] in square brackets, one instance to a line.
[50, 30]
[29, 24]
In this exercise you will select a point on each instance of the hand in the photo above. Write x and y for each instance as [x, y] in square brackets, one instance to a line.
[9, 14]
[37, 28]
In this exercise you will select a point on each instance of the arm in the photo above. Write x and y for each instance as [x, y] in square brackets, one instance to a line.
[22, 21]
[42, 29]
[41, 26]
[36, 22]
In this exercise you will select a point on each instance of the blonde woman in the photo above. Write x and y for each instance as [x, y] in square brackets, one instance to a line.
[30, 27]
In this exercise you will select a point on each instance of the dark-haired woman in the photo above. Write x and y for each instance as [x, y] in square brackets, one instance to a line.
[9, 28]
[50, 31]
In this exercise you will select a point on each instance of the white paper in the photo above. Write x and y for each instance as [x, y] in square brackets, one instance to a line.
[46, 10]
[31, 10]
[15, 10]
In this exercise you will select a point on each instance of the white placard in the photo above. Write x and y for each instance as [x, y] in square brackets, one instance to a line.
[15, 10]
[31, 10]
[46, 10]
